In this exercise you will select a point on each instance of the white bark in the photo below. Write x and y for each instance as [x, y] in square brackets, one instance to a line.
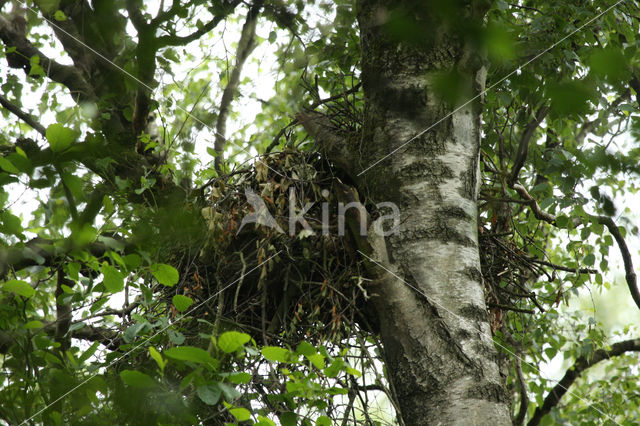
[432, 314]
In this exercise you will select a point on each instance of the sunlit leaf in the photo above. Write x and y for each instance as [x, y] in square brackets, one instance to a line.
[19, 287]
[165, 274]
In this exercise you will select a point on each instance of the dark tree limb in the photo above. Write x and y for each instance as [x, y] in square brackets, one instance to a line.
[146, 66]
[523, 146]
[246, 44]
[581, 364]
[66, 75]
[175, 40]
[135, 15]
[109, 338]
[40, 252]
[518, 420]
[63, 312]
[533, 204]
[24, 116]
[630, 275]
[331, 141]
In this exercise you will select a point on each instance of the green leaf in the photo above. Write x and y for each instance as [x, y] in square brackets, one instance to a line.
[288, 418]
[334, 369]
[19, 287]
[241, 378]
[60, 137]
[264, 421]
[230, 393]
[209, 394]
[153, 352]
[35, 324]
[317, 360]
[189, 353]
[113, 279]
[10, 224]
[181, 302]
[59, 16]
[323, 421]
[569, 97]
[89, 352]
[133, 261]
[175, 337]
[8, 166]
[562, 221]
[609, 62]
[306, 348]
[589, 259]
[276, 354]
[137, 379]
[353, 371]
[241, 414]
[165, 274]
[48, 6]
[231, 341]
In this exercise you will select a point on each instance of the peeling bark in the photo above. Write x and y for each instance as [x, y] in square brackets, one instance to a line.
[434, 324]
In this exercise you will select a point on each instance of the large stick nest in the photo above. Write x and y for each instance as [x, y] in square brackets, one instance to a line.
[272, 284]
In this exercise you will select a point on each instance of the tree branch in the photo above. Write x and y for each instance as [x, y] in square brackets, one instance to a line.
[245, 46]
[24, 116]
[110, 338]
[581, 364]
[174, 40]
[590, 125]
[523, 146]
[66, 75]
[535, 207]
[630, 275]
[331, 141]
[524, 398]
[138, 21]
[39, 252]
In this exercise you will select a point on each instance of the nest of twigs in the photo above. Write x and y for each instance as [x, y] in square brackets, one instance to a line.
[265, 278]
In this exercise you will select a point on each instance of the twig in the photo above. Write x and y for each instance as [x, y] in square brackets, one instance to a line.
[245, 46]
[26, 117]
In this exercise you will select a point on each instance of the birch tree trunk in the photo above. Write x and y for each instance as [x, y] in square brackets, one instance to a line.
[434, 324]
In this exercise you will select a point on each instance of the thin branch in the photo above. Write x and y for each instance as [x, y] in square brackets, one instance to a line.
[245, 46]
[511, 308]
[523, 146]
[589, 126]
[174, 40]
[630, 275]
[24, 116]
[524, 398]
[563, 268]
[581, 364]
[535, 207]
